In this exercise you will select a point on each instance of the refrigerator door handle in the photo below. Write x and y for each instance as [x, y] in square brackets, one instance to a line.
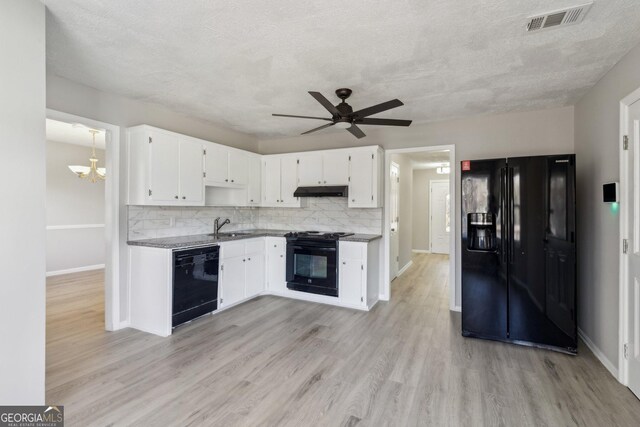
[510, 225]
[503, 213]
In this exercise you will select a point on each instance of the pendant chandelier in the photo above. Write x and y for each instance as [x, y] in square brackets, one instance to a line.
[93, 173]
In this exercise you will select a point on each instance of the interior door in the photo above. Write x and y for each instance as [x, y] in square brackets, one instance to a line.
[440, 218]
[310, 170]
[165, 167]
[394, 216]
[633, 259]
[335, 167]
[191, 168]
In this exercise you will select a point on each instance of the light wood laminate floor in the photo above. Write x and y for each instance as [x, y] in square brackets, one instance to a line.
[274, 361]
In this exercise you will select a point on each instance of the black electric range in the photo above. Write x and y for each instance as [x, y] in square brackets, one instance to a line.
[312, 262]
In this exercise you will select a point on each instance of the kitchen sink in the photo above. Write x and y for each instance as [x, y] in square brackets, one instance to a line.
[231, 234]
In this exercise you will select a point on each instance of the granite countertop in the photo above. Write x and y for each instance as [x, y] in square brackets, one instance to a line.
[181, 242]
[361, 238]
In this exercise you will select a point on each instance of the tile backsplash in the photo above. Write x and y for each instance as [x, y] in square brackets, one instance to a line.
[321, 214]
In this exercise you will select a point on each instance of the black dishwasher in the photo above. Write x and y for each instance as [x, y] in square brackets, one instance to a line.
[195, 283]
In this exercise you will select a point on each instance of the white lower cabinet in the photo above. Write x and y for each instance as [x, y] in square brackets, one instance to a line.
[242, 270]
[232, 281]
[358, 267]
[248, 268]
[276, 264]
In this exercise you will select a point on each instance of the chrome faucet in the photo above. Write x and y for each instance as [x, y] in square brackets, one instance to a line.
[217, 226]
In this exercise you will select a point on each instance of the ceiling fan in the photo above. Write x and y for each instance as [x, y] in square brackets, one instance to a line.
[343, 116]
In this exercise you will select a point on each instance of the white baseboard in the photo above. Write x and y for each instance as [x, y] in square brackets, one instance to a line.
[405, 268]
[599, 354]
[421, 251]
[75, 270]
[456, 308]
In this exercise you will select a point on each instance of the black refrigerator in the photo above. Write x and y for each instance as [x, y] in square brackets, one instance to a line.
[519, 251]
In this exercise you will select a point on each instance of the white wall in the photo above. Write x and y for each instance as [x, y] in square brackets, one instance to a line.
[514, 134]
[74, 202]
[405, 209]
[421, 213]
[69, 97]
[597, 128]
[22, 190]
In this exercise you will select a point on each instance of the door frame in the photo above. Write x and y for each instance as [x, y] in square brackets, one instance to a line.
[431, 181]
[113, 235]
[385, 289]
[625, 217]
[397, 269]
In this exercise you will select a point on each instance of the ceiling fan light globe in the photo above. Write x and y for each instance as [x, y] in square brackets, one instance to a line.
[343, 125]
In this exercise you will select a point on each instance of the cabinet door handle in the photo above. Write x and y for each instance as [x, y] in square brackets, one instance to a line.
[319, 182]
[344, 263]
[243, 260]
[353, 200]
[248, 259]
[251, 200]
[280, 256]
[325, 182]
[232, 181]
[183, 197]
[226, 180]
[176, 197]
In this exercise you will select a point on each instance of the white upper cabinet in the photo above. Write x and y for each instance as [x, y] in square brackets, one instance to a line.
[288, 181]
[329, 167]
[254, 181]
[191, 188]
[238, 163]
[271, 181]
[280, 180]
[216, 164]
[310, 170]
[365, 186]
[165, 168]
[225, 166]
[335, 167]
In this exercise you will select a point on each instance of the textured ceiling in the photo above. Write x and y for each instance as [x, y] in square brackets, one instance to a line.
[236, 62]
[70, 134]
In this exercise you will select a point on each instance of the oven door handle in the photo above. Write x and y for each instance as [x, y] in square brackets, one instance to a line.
[312, 247]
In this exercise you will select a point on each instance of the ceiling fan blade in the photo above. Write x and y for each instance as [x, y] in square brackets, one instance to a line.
[356, 131]
[378, 108]
[318, 128]
[325, 103]
[301, 117]
[383, 122]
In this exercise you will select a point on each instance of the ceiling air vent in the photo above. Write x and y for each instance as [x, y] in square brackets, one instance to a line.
[568, 16]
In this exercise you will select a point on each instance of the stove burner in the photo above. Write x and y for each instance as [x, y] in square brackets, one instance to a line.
[317, 235]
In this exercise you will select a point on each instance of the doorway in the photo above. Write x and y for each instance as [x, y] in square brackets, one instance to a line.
[112, 237]
[407, 214]
[629, 356]
[439, 216]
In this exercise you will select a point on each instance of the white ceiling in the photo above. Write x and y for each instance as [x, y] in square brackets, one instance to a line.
[429, 159]
[69, 134]
[236, 62]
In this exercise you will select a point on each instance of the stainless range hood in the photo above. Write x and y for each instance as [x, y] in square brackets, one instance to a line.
[324, 191]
